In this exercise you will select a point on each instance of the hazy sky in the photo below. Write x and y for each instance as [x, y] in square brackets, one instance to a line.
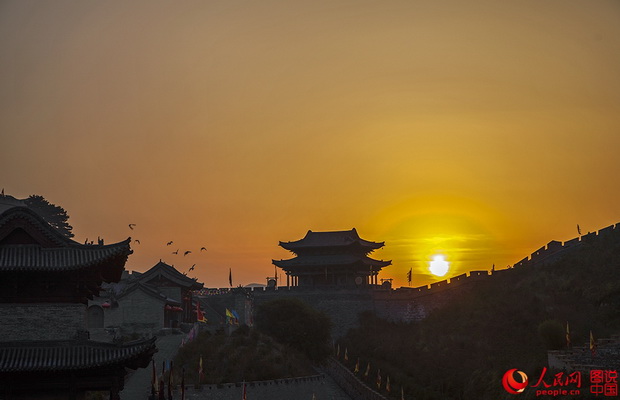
[480, 130]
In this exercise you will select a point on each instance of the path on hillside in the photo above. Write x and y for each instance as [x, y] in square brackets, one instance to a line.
[138, 384]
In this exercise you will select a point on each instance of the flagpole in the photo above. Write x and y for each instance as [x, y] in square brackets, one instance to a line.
[153, 381]
[183, 384]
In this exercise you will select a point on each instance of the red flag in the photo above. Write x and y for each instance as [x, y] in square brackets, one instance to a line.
[244, 392]
[200, 317]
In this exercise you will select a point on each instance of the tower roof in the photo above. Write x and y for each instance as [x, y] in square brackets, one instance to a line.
[331, 239]
[32, 250]
[330, 260]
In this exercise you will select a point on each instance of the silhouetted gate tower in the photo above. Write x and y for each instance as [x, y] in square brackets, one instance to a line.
[337, 258]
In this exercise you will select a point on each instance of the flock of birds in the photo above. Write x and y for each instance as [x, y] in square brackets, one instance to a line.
[170, 243]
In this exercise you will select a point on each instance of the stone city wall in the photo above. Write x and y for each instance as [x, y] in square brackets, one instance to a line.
[302, 388]
[41, 321]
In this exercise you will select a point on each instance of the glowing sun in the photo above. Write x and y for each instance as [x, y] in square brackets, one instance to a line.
[439, 266]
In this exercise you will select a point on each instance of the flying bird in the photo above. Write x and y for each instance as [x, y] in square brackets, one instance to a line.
[186, 253]
[203, 248]
[192, 267]
[137, 241]
[131, 226]
[176, 252]
[169, 243]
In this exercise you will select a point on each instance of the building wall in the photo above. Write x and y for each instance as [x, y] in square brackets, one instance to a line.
[41, 321]
[136, 312]
[172, 292]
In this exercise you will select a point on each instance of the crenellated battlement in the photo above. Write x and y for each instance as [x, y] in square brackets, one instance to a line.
[553, 250]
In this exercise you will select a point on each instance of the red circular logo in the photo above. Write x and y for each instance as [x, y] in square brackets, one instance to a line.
[510, 383]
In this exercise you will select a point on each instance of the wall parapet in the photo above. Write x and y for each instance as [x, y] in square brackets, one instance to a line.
[351, 384]
[276, 389]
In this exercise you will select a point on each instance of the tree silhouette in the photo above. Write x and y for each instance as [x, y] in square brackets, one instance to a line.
[54, 215]
[293, 322]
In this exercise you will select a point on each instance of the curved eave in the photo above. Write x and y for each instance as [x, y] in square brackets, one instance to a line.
[38, 356]
[25, 217]
[110, 259]
[318, 262]
[299, 245]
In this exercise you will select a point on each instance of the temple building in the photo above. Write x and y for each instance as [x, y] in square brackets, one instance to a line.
[146, 303]
[46, 279]
[338, 258]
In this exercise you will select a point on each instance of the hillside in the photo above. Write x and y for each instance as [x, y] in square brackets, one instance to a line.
[462, 350]
[245, 355]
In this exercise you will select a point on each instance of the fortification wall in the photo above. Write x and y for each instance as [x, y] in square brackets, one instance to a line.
[41, 321]
[555, 250]
[414, 304]
[279, 389]
[403, 304]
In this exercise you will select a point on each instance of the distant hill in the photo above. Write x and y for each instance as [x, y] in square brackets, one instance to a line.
[462, 350]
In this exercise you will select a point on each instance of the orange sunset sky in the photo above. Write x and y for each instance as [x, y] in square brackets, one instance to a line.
[476, 129]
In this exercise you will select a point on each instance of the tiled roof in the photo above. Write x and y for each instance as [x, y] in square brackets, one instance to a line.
[327, 260]
[47, 250]
[24, 217]
[161, 269]
[331, 239]
[72, 355]
[150, 290]
[36, 258]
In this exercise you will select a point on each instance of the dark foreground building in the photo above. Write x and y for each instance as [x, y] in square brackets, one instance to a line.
[146, 303]
[46, 279]
[338, 258]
